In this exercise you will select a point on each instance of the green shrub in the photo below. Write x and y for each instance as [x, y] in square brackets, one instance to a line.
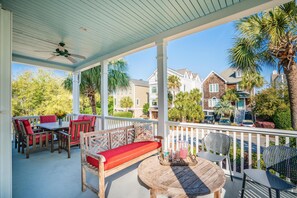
[282, 119]
[123, 114]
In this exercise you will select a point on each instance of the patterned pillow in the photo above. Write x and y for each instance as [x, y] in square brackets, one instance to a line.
[143, 132]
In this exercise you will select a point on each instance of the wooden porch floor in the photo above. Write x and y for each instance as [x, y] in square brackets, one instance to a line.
[53, 175]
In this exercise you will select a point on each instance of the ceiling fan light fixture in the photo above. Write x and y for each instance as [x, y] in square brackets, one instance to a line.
[83, 29]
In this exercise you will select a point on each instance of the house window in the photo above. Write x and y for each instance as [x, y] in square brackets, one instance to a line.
[213, 88]
[238, 73]
[154, 89]
[213, 102]
[238, 88]
[137, 101]
[154, 102]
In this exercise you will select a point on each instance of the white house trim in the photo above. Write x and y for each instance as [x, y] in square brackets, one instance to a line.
[104, 93]
[213, 72]
[162, 89]
[5, 103]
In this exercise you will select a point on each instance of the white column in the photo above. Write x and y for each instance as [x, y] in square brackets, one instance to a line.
[104, 93]
[5, 103]
[162, 89]
[75, 93]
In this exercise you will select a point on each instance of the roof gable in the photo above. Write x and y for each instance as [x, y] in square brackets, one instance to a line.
[212, 72]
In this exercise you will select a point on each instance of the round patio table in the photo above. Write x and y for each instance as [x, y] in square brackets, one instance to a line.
[182, 181]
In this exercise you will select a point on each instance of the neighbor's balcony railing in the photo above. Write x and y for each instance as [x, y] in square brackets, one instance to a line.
[246, 149]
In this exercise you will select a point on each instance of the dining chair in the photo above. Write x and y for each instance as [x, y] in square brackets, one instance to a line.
[217, 149]
[17, 134]
[280, 159]
[48, 118]
[92, 118]
[72, 137]
[33, 141]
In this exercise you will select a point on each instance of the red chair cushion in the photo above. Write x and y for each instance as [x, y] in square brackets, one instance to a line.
[27, 127]
[37, 137]
[80, 117]
[92, 118]
[17, 124]
[122, 154]
[48, 118]
[72, 131]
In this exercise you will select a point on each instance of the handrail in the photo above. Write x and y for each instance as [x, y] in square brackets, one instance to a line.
[131, 119]
[241, 129]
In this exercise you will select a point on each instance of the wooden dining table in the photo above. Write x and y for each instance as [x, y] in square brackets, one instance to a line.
[182, 181]
[54, 127]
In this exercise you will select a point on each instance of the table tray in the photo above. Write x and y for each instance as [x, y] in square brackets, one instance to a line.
[189, 161]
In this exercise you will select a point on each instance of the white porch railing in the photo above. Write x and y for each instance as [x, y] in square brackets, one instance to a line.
[115, 122]
[246, 149]
[247, 145]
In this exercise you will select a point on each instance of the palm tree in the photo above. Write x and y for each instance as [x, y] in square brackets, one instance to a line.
[91, 81]
[231, 95]
[269, 38]
[250, 80]
[173, 85]
[224, 108]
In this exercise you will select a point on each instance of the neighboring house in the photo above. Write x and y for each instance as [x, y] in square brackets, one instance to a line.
[138, 92]
[188, 80]
[215, 86]
[278, 80]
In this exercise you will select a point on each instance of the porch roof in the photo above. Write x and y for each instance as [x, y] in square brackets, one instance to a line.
[102, 30]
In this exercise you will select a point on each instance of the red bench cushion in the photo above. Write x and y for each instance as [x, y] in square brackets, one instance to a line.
[122, 154]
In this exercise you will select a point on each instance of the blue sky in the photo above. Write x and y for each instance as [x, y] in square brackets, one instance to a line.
[201, 53]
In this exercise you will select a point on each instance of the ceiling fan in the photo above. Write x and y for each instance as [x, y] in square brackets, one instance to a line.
[61, 51]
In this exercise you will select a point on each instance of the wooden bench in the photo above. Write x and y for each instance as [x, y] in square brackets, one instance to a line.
[106, 152]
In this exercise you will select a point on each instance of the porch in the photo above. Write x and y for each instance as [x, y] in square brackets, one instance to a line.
[19, 35]
[49, 174]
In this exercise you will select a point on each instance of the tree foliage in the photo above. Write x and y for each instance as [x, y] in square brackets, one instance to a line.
[266, 103]
[173, 83]
[187, 107]
[282, 119]
[231, 95]
[39, 94]
[91, 81]
[224, 108]
[145, 109]
[269, 38]
[126, 102]
[251, 80]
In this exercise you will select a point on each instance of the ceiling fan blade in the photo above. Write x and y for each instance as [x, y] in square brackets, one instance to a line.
[52, 57]
[71, 59]
[78, 56]
[41, 51]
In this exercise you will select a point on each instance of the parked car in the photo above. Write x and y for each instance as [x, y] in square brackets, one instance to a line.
[224, 121]
[209, 119]
[247, 123]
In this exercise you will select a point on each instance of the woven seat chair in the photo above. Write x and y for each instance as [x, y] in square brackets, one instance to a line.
[281, 159]
[218, 147]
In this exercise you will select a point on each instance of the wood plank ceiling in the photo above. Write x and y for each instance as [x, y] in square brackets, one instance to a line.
[94, 28]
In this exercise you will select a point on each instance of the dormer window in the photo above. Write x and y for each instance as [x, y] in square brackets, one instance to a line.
[238, 73]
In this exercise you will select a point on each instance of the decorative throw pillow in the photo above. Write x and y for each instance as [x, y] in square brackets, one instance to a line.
[143, 132]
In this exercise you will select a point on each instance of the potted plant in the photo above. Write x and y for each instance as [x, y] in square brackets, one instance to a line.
[60, 115]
